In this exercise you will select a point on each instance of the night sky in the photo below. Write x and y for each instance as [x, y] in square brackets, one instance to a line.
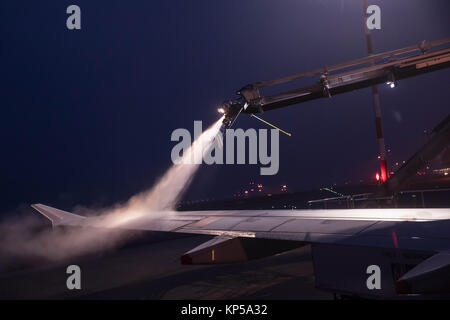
[86, 116]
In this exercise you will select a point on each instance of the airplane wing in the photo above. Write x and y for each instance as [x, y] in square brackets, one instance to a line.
[344, 242]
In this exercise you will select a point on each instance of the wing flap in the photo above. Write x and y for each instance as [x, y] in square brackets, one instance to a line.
[229, 249]
[431, 276]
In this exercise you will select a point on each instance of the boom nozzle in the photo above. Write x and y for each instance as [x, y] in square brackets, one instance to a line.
[231, 110]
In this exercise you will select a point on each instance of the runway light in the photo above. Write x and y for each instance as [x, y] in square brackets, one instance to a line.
[221, 110]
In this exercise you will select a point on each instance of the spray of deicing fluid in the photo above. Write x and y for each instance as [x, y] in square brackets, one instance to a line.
[18, 238]
[162, 197]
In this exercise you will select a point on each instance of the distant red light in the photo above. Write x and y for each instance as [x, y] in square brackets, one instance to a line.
[384, 172]
[377, 176]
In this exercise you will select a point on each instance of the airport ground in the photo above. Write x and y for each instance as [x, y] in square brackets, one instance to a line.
[149, 267]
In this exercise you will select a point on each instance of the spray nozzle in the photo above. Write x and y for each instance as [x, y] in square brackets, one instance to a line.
[231, 110]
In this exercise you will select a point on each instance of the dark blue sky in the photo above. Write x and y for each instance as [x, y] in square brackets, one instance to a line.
[86, 116]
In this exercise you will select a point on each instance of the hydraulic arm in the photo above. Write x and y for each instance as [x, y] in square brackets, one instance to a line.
[388, 67]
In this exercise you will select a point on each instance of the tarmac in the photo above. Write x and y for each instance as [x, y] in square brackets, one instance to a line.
[150, 268]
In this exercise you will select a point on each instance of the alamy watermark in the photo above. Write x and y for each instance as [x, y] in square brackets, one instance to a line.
[73, 281]
[234, 144]
[374, 280]
[73, 21]
[373, 20]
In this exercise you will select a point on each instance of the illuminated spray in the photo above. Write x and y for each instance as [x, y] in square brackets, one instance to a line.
[162, 197]
[17, 238]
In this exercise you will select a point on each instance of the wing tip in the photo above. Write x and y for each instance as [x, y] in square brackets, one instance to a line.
[56, 216]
